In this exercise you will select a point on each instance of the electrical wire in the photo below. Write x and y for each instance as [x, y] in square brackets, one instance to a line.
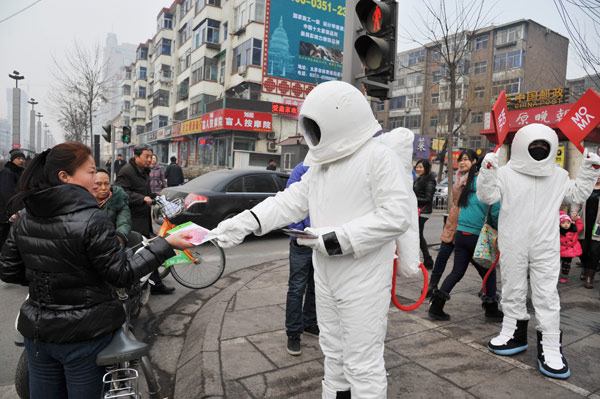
[20, 11]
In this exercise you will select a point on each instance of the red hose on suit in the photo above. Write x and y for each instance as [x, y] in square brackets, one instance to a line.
[490, 272]
[423, 293]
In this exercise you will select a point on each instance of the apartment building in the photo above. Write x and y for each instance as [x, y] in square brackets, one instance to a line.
[518, 57]
[195, 89]
[577, 87]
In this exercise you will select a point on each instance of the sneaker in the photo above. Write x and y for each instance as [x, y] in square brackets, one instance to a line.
[312, 330]
[562, 280]
[293, 345]
[162, 290]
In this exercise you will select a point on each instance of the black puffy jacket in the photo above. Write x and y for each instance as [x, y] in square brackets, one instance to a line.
[424, 188]
[136, 183]
[9, 177]
[66, 249]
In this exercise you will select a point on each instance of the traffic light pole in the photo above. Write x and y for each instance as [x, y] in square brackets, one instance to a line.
[352, 66]
[112, 158]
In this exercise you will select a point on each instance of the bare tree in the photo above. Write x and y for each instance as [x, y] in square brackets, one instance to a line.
[81, 86]
[586, 46]
[447, 33]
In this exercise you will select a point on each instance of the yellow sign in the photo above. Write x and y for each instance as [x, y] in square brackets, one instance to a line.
[537, 98]
[191, 126]
[438, 144]
[560, 156]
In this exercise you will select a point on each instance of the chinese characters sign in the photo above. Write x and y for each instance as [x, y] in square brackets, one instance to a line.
[538, 98]
[191, 126]
[284, 109]
[421, 147]
[234, 119]
[500, 112]
[304, 41]
[583, 117]
[547, 115]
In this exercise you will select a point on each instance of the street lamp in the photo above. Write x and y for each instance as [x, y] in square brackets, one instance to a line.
[16, 98]
[46, 138]
[32, 124]
[39, 132]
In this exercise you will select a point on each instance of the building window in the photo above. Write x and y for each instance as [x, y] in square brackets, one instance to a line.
[126, 105]
[126, 121]
[184, 61]
[481, 42]
[165, 21]
[379, 106]
[397, 102]
[464, 66]
[207, 31]
[413, 100]
[509, 35]
[224, 31]
[141, 92]
[160, 98]
[159, 121]
[126, 90]
[182, 90]
[477, 117]
[435, 98]
[184, 33]
[142, 53]
[251, 10]
[414, 79]
[416, 57]
[480, 68]
[287, 161]
[247, 53]
[165, 46]
[433, 121]
[204, 69]
[512, 59]
[479, 92]
[181, 115]
[128, 74]
[396, 121]
[142, 73]
[200, 4]
[474, 142]
[413, 121]
[510, 86]
[436, 76]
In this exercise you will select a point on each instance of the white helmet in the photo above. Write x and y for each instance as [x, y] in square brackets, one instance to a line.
[521, 158]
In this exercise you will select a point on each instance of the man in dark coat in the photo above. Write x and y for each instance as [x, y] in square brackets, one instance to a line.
[174, 174]
[119, 163]
[9, 177]
[134, 179]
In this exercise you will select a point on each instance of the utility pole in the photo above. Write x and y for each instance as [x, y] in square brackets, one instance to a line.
[46, 138]
[39, 133]
[16, 126]
[32, 124]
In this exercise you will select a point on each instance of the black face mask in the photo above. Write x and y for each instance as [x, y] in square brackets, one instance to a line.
[539, 153]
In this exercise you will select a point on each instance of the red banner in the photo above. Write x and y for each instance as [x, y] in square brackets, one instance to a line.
[500, 115]
[583, 117]
[237, 120]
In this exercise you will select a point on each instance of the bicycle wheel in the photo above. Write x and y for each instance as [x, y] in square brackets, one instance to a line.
[205, 271]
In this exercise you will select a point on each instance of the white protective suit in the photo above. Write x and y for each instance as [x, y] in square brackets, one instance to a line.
[359, 200]
[531, 193]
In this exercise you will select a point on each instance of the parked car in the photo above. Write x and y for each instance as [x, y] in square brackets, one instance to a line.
[218, 195]
[441, 189]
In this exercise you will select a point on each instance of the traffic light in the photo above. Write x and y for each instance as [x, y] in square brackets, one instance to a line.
[107, 130]
[126, 138]
[376, 48]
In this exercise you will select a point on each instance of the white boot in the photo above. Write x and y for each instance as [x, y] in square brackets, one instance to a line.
[512, 338]
[550, 357]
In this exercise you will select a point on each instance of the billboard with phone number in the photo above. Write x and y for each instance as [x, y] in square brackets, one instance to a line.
[304, 41]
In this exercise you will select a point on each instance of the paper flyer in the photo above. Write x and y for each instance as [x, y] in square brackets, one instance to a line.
[200, 235]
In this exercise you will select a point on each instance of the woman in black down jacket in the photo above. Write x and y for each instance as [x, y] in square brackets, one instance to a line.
[424, 188]
[66, 250]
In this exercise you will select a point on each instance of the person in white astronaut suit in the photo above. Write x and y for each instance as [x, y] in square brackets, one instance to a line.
[360, 201]
[531, 188]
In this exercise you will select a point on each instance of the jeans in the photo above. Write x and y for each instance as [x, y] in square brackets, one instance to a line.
[464, 247]
[301, 285]
[442, 258]
[422, 242]
[58, 371]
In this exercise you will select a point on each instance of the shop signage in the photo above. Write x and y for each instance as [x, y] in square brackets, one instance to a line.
[284, 109]
[168, 131]
[176, 131]
[421, 147]
[293, 101]
[549, 115]
[192, 126]
[583, 117]
[160, 133]
[538, 98]
[234, 119]
[560, 156]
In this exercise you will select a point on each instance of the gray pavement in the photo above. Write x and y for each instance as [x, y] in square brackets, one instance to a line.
[234, 346]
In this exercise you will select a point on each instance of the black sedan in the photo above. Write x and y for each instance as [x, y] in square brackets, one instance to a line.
[218, 195]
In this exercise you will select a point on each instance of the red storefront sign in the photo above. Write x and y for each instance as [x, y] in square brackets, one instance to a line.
[176, 131]
[550, 116]
[583, 117]
[233, 119]
[284, 109]
[499, 113]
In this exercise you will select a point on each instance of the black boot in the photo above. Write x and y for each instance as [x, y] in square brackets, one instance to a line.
[433, 284]
[512, 338]
[428, 262]
[490, 304]
[436, 309]
[342, 395]
[551, 360]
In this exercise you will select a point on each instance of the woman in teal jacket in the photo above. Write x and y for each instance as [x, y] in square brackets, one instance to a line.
[115, 202]
[470, 222]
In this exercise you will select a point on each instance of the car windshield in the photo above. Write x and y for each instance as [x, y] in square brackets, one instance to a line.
[444, 182]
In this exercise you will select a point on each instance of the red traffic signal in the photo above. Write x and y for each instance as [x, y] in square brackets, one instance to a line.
[377, 17]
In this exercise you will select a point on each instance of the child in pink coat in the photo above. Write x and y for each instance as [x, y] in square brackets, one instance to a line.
[569, 243]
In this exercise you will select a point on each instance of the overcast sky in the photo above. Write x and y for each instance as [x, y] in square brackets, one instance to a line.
[31, 38]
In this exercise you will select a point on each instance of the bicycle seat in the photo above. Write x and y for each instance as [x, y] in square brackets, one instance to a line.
[121, 349]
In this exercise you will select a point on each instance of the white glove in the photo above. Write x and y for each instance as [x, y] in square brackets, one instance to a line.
[590, 160]
[337, 243]
[231, 232]
[490, 161]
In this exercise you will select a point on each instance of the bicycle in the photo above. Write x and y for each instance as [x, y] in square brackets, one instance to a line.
[195, 268]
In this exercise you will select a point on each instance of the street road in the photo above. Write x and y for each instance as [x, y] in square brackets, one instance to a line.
[254, 250]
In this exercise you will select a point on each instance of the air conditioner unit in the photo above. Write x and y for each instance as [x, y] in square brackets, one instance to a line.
[271, 135]
[242, 70]
[222, 80]
[271, 146]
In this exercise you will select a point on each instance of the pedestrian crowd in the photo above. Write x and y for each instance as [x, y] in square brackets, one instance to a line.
[351, 206]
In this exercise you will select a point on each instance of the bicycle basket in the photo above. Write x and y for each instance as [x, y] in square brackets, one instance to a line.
[169, 209]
